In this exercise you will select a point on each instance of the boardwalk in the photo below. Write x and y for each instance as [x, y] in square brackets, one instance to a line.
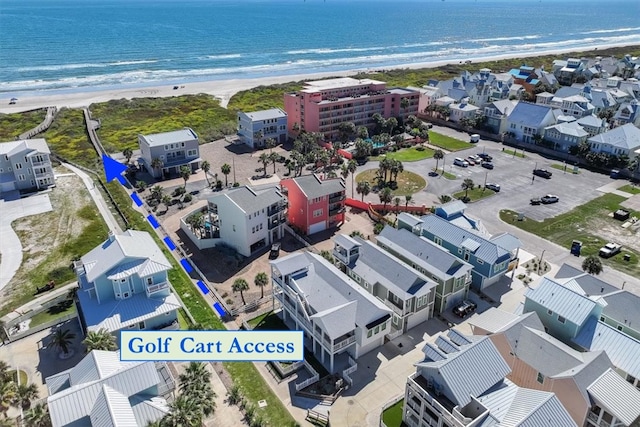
[48, 119]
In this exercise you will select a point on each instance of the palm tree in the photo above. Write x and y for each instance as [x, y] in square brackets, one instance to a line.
[156, 163]
[273, 158]
[8, 392]
[351, 167]
[4, 371]
[408, 200]
[156, 193]
[270, 143]
[240, 285]
[438, 155]
[444, 198]
[195, 385]
[264, 159]
[467, 185]
[185, 173]
[261, 280]
[25, 393]
[195, 372]
[363, 188]
[184, 413]
[385, 197]
[140, 186]
[226, 170]
[234, 395]
[38, 416]
[127, 153]
[100, 340]
[206, 167]
[592, 265]
[62, 340]
[396, 204]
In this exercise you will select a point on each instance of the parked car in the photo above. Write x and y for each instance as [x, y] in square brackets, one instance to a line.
[477, 159]
[471, 161]
[459, 162]
[535, 201]
[549, 198]
[487, 165]
[493, 186]
[609, 250]
[275, 250]
[464, 308]
[474, 138]
[485, 157]
[543, 173]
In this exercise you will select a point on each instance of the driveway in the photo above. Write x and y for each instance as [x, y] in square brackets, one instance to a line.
[11, 248]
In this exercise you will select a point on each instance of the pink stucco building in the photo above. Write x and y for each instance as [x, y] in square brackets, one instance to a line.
[322, 105]
[315, 204]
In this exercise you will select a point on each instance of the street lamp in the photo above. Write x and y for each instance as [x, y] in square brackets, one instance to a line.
[541, 261]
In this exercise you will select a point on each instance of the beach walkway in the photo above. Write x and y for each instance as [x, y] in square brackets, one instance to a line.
[48, 119]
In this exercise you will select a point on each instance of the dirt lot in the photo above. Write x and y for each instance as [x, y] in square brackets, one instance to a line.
[627, 237]
[41, 235]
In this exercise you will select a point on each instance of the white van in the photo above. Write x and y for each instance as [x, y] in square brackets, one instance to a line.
[475, 138]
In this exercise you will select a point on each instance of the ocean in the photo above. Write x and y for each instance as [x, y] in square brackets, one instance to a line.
[70, 45]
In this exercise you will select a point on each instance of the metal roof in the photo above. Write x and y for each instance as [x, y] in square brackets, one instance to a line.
[622, 349]
[249, 200]
[487, 250]
[617, 396]
[127, 247]
[148, 409]
[453, 207]
[563, 301]
[507, 241]
[160, 139]
[312, 186]
[375, 265]
[434, 259]
[514, 406]
[626, 137]
[337, 321]
[624, 308]
[11, 148]
[112, 409]
[571, 129]
[409, 219]
[493, 320]
[469, 372]
[528, 114]
[78, 402]
[114, 315]
[346, 242]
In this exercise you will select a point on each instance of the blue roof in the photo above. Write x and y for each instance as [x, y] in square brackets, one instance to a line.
[621, 349]
[574, 307]
[528, 114]
[487, 251]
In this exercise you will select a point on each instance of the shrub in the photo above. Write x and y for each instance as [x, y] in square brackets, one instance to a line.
[187, 198]
[236, 184]
[377, 229]
[229, 301]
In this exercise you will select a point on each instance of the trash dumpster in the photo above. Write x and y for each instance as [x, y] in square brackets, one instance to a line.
[576, 247]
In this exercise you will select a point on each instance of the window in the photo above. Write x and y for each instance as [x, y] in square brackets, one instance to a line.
[317, 213]
[377, 329]
[480, 261]
[191, 153]
[437, 241]
[619, 327]
[369, 333]
[133, 325]
[549, 312]
[459, 251]
[466, 256]
[540, 378]
[141, 325]
[260, 226]
[18, 166]
[384, 326]
[253, 229]
[21, 177]
[561, 319]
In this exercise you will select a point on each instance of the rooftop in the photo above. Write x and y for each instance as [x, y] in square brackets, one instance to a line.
[13, 147]
[160, 139]
[250, 200]
[562, 301]
[625, 137]
[272, 113]
[528, 114]
[312, 186]
[617, 396]
[337, 83]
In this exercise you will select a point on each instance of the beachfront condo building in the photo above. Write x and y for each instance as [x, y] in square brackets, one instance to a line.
[322, 105]
[25, 166]
[163, 154]
[256, 128]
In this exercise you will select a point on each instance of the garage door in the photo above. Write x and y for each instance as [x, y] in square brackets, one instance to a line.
[318, 226]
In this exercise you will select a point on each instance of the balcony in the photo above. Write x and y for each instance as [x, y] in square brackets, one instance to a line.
[157, 287]
[344, 343]
[274, 223]
[336, 210]
[337, 197]
[272, 211]
[397, 310]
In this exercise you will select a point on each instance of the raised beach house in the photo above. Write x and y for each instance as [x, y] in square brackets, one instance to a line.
[25, 166]
[255, 128]
[162, 154]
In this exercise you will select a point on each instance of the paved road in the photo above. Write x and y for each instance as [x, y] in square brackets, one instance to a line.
[11, 248]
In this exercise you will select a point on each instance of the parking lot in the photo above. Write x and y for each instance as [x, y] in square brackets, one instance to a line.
[514, 175]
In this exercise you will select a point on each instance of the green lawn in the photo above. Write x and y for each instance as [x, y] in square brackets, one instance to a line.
[631, 189]
[412, 154]
[578, 224]
[122, 120]
[563, 168]
[57, 311]
[12, 125]
[447, 143]
[183, 319]
[262, 97]
[514, 153]
[408, 182]
[445, 174]
[67, 137]
[392, 416]
[475, 194]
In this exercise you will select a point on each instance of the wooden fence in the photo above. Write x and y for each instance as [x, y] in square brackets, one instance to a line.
[317, 417]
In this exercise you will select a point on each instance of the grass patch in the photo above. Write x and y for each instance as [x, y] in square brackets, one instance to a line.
[67, 137]
[446, 142]
[183, 320]
[262, 97]
[514, 153]
[122, 120]
[475, 194]
[631, 189]
[445, 174]
[412, 154]
[260, 320]
[57, 311]
[564, 168]
[578, 224]
[408, 182]
[245, 375]
[12, 125]
[392, 416]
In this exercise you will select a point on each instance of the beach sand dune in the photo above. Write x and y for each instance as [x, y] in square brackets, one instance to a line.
[221, 89]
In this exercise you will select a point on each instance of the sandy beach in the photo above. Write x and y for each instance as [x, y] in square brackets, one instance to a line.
[225, 89]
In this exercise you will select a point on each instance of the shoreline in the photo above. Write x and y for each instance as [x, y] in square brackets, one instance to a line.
[225, 89]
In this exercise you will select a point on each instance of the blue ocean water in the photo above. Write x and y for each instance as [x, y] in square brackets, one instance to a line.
[82, 44]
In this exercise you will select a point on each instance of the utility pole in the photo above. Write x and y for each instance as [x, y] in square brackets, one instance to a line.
[485, 181]
[233, 163]
[541, 261]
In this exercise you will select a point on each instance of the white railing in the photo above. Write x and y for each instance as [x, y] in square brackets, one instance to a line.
[344, 343]
[157, 287]
[346, 374]
[314, 377]
[394, 335]
[394, 307]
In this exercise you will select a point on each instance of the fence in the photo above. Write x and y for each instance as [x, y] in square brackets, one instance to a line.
[291, 231]
[42, 327]
[388, 405]
[317, 417]
[350, 370]
[315, 377]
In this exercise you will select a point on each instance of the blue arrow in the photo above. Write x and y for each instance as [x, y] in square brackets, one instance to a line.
[113, 169]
